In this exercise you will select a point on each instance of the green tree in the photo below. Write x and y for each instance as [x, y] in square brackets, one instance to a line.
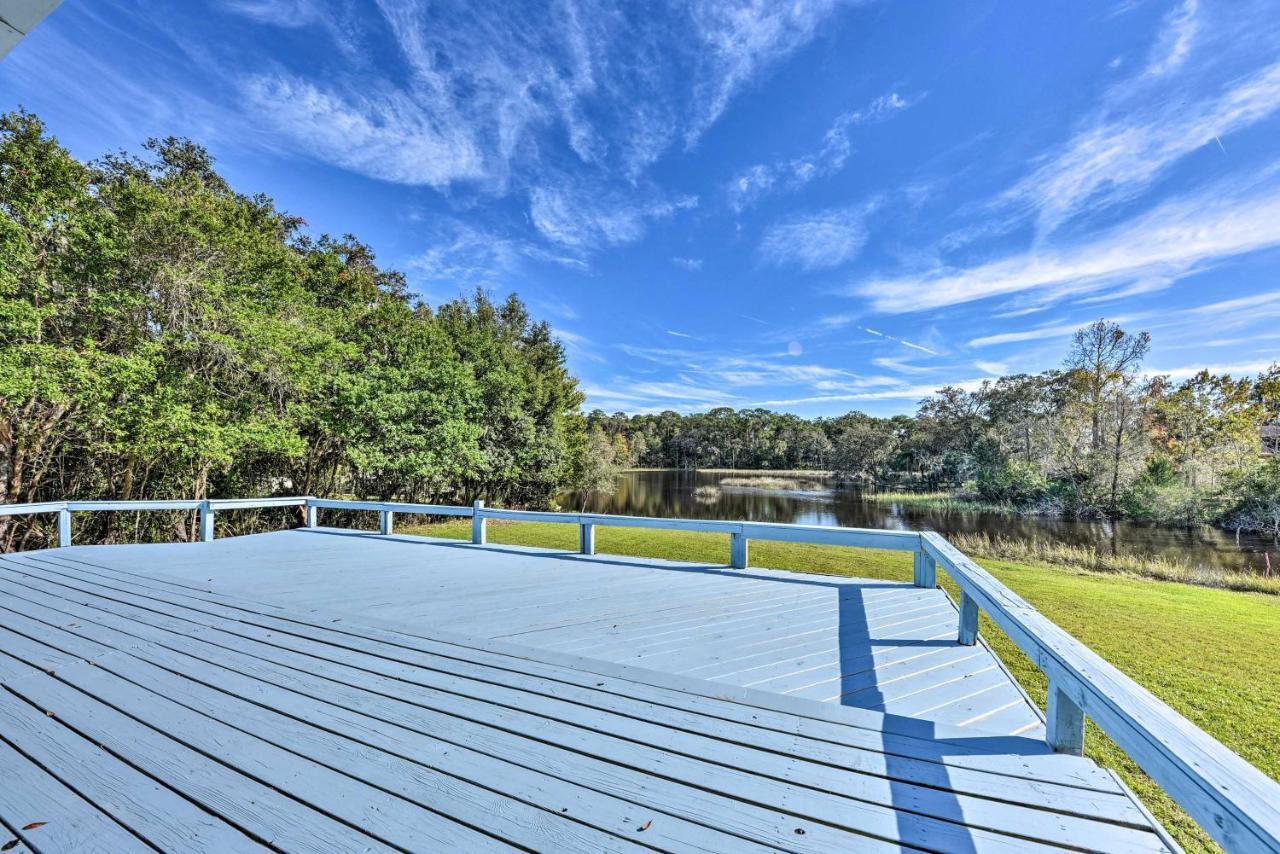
[597, 469]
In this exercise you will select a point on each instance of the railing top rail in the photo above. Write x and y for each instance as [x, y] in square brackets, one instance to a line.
[257, 503]
[1232, 800]
[35, 507]
[130, 506]
[391, 506]
[821, 534]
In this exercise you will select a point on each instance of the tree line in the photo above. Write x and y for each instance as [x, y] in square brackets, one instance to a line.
[1097, 437]
[163, 336]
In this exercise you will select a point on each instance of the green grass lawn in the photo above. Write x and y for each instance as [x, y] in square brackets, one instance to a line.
[1214, 655]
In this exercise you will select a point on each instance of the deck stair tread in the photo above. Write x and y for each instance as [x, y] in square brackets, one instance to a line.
[825, 638]
[142, 712]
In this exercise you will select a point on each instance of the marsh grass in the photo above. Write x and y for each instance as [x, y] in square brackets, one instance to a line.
[772, 483]
[941, 501]
[1092, 559]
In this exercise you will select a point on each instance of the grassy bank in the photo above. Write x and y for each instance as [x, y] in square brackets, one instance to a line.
[1087, 558]
[1211, 654]
[1090, 559]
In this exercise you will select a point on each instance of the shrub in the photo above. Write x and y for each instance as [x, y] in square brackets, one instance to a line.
[1257, 506]
[1160, 496]
[1012, 482]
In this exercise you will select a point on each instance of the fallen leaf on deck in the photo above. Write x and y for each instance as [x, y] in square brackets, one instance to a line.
[34, 825]
[642, 828]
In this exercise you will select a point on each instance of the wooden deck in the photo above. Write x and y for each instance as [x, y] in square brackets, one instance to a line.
[192, 698]
[877, 645]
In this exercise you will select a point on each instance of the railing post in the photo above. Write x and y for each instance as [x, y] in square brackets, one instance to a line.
[386, 520]
[587, 538]
[478, 533]
[925, 570]
[206, 522]
[738, 550]
[64, 528]
[1064, 727]
[968, 620]
[311, 514]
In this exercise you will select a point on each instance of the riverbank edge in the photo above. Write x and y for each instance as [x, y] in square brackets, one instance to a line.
[746, 472]
[935, 500]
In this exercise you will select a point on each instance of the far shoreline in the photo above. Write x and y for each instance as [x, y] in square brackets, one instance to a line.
[769, 472]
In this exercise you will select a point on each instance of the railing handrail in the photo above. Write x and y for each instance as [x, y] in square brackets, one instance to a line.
[390, 506]
[1232, 800]
[32, 509]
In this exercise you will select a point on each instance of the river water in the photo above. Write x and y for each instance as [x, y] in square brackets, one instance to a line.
[671, 494]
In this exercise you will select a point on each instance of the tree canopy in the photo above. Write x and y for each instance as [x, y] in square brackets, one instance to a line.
[164, 336]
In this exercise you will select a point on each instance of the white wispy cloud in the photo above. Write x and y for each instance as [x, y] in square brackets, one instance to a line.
[995, 369]
[1235, 369]
[693, 265]
[489, 91]
[593, 219]
[1177, 237]
[1186, 323]
[578, 347]
[335, 20]
[741, 38]
[817, 241]
[679, 391]
[465, 256]
[762, 178]
[901, 366]
[1175, 40]
[384, 133]
[914, 392]
[1117, 157]
[1035, 333]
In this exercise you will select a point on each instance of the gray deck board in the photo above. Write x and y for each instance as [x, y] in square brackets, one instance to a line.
[680, 618]
[197, 712]
[63, 821]
[454, 760]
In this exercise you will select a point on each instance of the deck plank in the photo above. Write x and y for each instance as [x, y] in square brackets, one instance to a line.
[153, 811]
[402, 760]
[63, 820]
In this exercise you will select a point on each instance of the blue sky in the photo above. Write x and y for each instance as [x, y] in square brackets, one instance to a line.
[811, 206]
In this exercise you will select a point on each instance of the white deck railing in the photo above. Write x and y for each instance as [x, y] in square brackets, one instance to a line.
[1234, 802]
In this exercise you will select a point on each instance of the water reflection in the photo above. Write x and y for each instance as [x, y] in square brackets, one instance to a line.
[676, 494]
